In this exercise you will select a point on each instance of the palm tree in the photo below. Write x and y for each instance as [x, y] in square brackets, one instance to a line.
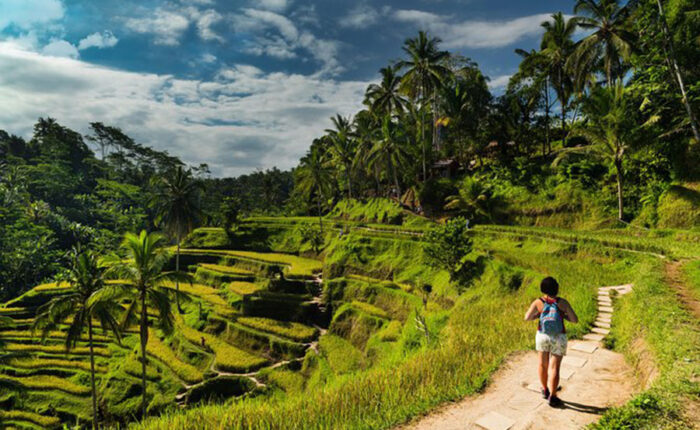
[142, 279]
[670, 54]
[389, 150]
[474, 200]
[425, 72]
[557, 47]
[178, 208]
[343, 146]
[611, 41]
[535, 67]
[365, 128]
[314, 176]
[610, 130]
[386, 96]
[84, 303]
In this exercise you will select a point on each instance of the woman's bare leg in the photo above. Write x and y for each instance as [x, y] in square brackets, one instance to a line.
[542, 370]
[554, 366]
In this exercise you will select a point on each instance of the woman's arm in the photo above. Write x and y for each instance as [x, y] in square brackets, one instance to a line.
[533, 312]
[569, 313]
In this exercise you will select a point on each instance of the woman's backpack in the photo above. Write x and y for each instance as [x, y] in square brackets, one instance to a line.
[551, 319]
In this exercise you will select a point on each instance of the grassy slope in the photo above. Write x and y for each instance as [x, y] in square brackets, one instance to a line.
[469, 349]
[660, 337]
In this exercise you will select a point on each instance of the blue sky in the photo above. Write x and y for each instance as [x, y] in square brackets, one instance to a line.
[240, 85]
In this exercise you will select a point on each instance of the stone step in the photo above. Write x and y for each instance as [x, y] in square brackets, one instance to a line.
[495, 421]
[587, 347]
[602, 309]
[604, 319]
[603, 331]
[569, 360]
[594, 337]
[601, 324]
[607, 315]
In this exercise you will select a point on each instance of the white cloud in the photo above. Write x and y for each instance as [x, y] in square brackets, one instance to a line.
[26, 14]
[98, 40]
[474, 33]
[208, 58]
[242, 120]
[277, 36]
[167, 26]
[276, 5]
[361, 16]
[205, 20]
[499, 81]
[60, 48]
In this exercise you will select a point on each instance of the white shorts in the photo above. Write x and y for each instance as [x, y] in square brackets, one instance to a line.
[551, 343]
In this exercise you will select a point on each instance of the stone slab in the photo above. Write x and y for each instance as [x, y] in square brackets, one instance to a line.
[495, 421]
[566, 373]
[587, 347]
[607, 315]
[604, 319]
[525, 402]
[601, 324]
[604, 300]
[594, 337]
[605, 309]
[535, 387]
[599, 330]
[573, 361]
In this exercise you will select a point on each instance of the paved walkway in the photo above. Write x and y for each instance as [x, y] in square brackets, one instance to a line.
[593, 379]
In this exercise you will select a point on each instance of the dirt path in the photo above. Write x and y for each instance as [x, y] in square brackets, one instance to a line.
[591, 382]
[675, 278]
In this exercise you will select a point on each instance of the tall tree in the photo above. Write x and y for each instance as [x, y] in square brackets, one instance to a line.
[343, 146]
[534, 67]
[83, 305]
[611, 41]
[386, 96]
[142, 277]
[313, 176]
[610, 129]
[390, 150]
[671, 59]
[425, 71]
[557, 47]
[177, 204]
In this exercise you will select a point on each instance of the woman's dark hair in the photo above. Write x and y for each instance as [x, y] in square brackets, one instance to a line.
[549, 286]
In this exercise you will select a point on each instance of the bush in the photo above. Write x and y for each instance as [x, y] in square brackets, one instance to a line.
[447, 248]
[209, 237]
[221, 388]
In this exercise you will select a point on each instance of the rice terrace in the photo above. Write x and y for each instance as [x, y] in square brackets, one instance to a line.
[416, 215]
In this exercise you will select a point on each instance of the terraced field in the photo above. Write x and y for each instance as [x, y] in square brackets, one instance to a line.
[218, 336]
[260, 322]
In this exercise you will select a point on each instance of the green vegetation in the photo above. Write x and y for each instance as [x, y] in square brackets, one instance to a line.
[295, 331]
[362, 305]
[664, 341]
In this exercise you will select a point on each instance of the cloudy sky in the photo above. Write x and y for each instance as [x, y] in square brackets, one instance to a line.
[237, 84]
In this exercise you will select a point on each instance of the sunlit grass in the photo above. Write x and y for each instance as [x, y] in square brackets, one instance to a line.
[226, 357]
[184, 371]
[47, 382]
[290, 330]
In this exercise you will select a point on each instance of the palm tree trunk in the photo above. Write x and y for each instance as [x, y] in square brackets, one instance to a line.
[92, 376]
[546, 117]
[144, 341]
[177, 269]
[671, 56]
[396, 181]
[347, 174]
[563, 124]
[618, 168]
[320, 216]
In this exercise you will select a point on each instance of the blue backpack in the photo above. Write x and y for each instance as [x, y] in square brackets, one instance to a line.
[551, 320]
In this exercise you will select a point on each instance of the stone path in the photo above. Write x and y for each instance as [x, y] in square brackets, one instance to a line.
[592, 378]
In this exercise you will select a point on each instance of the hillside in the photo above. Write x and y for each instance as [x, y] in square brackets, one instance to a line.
[296, 337]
